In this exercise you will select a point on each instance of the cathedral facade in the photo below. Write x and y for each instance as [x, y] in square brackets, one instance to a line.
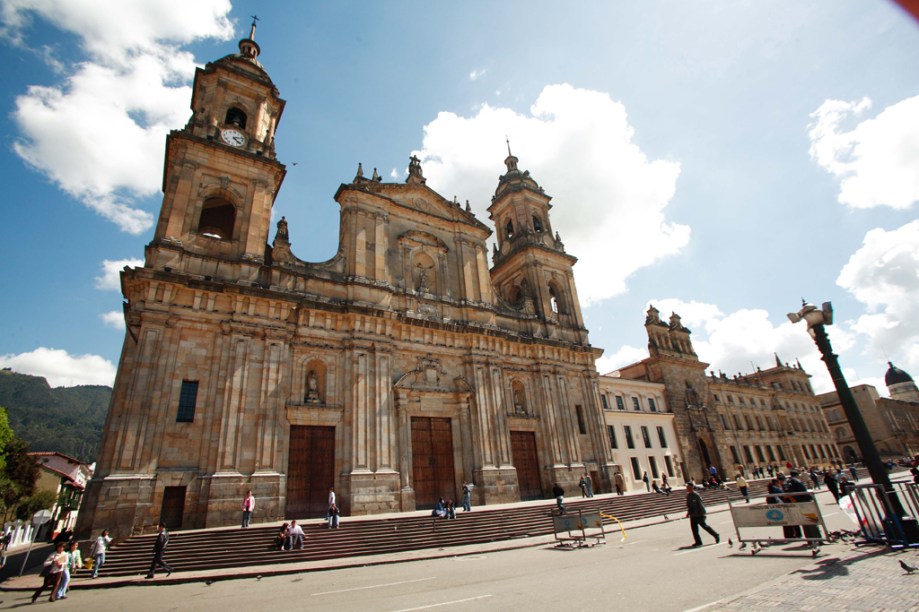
[393, 372]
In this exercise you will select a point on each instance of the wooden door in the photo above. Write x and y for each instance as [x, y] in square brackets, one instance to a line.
[523, 451]
[433, 475]
[310, 471]
[173, 507]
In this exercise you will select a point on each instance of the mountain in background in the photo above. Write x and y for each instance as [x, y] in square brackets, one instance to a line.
[67, 420]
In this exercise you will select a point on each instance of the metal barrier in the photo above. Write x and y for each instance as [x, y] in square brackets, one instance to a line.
[578, 528]
[803, 514]
[878, 522]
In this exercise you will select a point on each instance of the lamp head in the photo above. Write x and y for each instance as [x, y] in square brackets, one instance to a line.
[813, 316]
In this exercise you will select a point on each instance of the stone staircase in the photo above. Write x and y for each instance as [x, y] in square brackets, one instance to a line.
[224, 548]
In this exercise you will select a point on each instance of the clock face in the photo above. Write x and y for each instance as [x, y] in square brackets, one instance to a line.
[232, 137]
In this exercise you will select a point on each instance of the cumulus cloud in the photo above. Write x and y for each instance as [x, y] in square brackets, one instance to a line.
[884, 275]
[97, 133]
[477, 74]
[877, 161]
[609, 198]
[111, 273]
[61, 368]
[113, 319]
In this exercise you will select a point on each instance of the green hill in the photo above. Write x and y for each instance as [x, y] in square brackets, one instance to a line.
[68, 420]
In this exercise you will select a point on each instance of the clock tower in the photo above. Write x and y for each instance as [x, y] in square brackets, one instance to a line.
[221, 175]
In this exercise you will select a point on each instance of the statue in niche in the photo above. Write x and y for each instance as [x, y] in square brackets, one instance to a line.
[282, 230]
[518, 402]
[312, 388]
[423, 280]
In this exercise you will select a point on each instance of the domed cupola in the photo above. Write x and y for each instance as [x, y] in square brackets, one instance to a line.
[900, 385]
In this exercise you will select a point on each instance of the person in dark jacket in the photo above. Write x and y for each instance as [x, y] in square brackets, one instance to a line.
[794, 485]
[159, 552]
[559, 494]
[832, 484]
[695, 510]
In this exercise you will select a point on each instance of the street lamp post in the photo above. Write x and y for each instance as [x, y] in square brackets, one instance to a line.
[816, 322]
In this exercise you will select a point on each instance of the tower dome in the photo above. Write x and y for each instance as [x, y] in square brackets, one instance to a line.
[900, 384]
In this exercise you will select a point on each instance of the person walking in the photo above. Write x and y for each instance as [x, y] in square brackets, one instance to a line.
[52, 571]
[467, 497]
[74, 562]
[248, 508]
[159, 552]
[97, 553]
[741, 483]
[832, 484]
[583, 485]
[559, 494]
[695, 510]
[620, 484]
[647, 481]
[590, 484]
[332, 499]
[333, 516]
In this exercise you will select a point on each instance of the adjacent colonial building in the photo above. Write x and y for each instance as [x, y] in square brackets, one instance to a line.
[640, 432]
[892, 422]
[769, 416]
[393, 372]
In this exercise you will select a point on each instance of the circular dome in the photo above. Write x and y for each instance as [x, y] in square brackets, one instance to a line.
[896, 376]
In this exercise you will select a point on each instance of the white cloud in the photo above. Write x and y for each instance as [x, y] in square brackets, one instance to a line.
[97, 133]
[623, 357]
[609, 199]
[61, 368]
[111, 273]
[877, 161]
[884, 275]
[113, 319]
[477, 74]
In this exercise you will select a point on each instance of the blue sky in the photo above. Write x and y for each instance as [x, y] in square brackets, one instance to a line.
[717, 159]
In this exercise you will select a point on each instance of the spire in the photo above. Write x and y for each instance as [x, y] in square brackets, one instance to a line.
[376, 176]
[778, 362]
[509, 154]
[360, 171]
[248, 48]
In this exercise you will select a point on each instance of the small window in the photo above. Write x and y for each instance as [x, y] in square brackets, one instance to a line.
[582, 425]
[735, 455]
[604, 401]
[669, 464]
[661, 436]
[759, 454]
[628, 436]
[651, 405]
[646, 436]
[217, 219]
[188, 399]
[509, 229]
[724, 421]
[537, 224]
[653, 463]
[636, 470]
[619, 403]
[781, 453]
[748, 454]
[611, 432]
[636, 405]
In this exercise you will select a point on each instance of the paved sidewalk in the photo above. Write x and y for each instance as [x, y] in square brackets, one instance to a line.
[867, 578]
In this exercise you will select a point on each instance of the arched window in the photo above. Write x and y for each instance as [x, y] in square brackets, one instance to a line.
[520, 397]
[557, 299]
[236, 117]
[553, 300]
[218, 217]
[537, 224]
[509, 229]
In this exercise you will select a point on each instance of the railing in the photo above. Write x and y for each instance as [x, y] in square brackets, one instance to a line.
[879, 523]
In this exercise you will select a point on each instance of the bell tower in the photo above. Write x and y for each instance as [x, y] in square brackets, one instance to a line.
[531, 269]
[221, 175]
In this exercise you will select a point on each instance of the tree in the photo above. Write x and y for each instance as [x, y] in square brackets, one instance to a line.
[18, 471]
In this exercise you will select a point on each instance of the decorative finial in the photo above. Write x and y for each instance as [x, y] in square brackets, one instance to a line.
[376, 176]
[468, 208]
[508, 140]
[360, 170]
[252, 29]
